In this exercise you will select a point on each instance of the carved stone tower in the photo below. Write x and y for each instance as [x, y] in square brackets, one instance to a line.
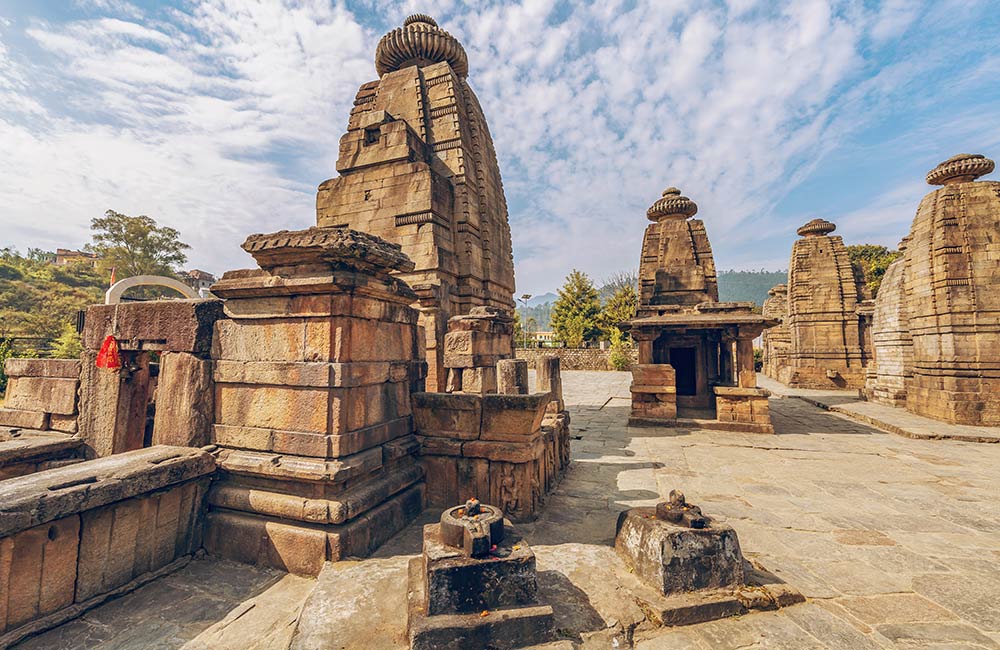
[827, 346]
[676, 267]
[418, 168]
[952, 281]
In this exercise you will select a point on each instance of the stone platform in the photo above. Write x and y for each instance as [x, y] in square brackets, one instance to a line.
[893, 541]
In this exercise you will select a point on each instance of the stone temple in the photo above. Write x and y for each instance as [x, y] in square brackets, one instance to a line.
[417, 168]
[951, 278]
[776, 340]
[891, 366]
[695, 353]
[827, 336]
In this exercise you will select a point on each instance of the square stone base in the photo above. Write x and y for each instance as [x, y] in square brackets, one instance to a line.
[501, 629]
[677, 559]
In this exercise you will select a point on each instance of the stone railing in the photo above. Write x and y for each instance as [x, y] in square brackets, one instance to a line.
[570, 358]
[72, 537]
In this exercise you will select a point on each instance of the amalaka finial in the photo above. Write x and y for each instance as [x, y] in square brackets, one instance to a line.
[817, 228]
[963, 168]
[672, 204]
[419, 42]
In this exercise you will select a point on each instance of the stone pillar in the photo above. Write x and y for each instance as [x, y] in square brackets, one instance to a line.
[746, 375]
[512, 377]
[184, 401]
[548, 378]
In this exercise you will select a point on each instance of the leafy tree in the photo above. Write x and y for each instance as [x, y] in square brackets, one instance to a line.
[575, 312]
[620, 353]
[136, 245]
[870, 262]
[68, 345]
[620, 307]
[615, 283]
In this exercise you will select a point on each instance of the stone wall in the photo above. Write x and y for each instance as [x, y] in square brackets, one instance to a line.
[27, 452]
[72, 537]
[570, 358]
[41, 394]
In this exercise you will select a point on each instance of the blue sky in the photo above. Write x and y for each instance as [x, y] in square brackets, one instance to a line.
[221, 117]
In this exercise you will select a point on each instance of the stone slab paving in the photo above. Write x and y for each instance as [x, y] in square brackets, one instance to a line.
[895, 542]
[888, 418]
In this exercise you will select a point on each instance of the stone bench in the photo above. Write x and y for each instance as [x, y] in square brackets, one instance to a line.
[72, 537]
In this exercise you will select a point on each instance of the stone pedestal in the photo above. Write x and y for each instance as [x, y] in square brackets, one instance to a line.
[457, 602]
[512, 377]
[473, 346]
[745, 407]
[676, 558]
[313, 376]
[654, 394]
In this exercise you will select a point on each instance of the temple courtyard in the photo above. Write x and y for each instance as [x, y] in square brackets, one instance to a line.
[894, 542]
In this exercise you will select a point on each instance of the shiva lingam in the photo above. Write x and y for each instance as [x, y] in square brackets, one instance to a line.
[677, 549]
[475, 528]
[475, 585]
[678, 511]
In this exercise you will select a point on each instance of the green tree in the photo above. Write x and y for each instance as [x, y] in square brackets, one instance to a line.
[620, 353]
[6, 352]
[67, 345]
[870, 262]
[136, 245]
[620, 307]
[575, 312]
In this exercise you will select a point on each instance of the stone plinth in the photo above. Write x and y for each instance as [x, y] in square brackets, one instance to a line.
[745, 407]
[313, 374]
[492, 447]
[418, 168]
[952, 289]
[654, 394]
[458, 602]
[827, 345]
[675, 558]
[41, 394]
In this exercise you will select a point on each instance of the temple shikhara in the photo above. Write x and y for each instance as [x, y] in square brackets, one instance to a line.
[417, 168]
[341, 447]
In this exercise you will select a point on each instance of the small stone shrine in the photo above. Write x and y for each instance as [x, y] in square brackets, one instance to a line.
[475, 585]
[313, 373]
[827, 339]
[695, 353]
[475, 342]
[418, 168]
[952, 292]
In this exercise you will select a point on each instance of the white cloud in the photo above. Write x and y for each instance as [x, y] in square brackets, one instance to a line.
[221, 119]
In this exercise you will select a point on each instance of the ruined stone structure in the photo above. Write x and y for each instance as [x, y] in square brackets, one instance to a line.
[474, 344]
[41, 394]
[951, 279]
[313, 373]
[827, 337]
[417, 167]
[892, 346]
[776, 340]
[695, 353]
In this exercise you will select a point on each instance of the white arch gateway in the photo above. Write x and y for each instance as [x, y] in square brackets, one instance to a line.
[113, 296]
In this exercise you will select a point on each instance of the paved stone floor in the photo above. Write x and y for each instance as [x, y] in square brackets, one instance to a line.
[895, 542]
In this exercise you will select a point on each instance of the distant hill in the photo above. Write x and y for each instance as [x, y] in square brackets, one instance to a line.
[748, 286]
[537, 301]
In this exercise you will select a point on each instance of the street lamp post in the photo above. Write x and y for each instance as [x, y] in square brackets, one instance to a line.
[524, 321]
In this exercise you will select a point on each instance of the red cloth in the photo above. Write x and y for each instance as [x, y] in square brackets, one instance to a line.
[108, 357]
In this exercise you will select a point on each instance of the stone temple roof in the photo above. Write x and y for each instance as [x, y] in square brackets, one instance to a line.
[672, 205]
[816, 228]
[419, 42]
[963, 168]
